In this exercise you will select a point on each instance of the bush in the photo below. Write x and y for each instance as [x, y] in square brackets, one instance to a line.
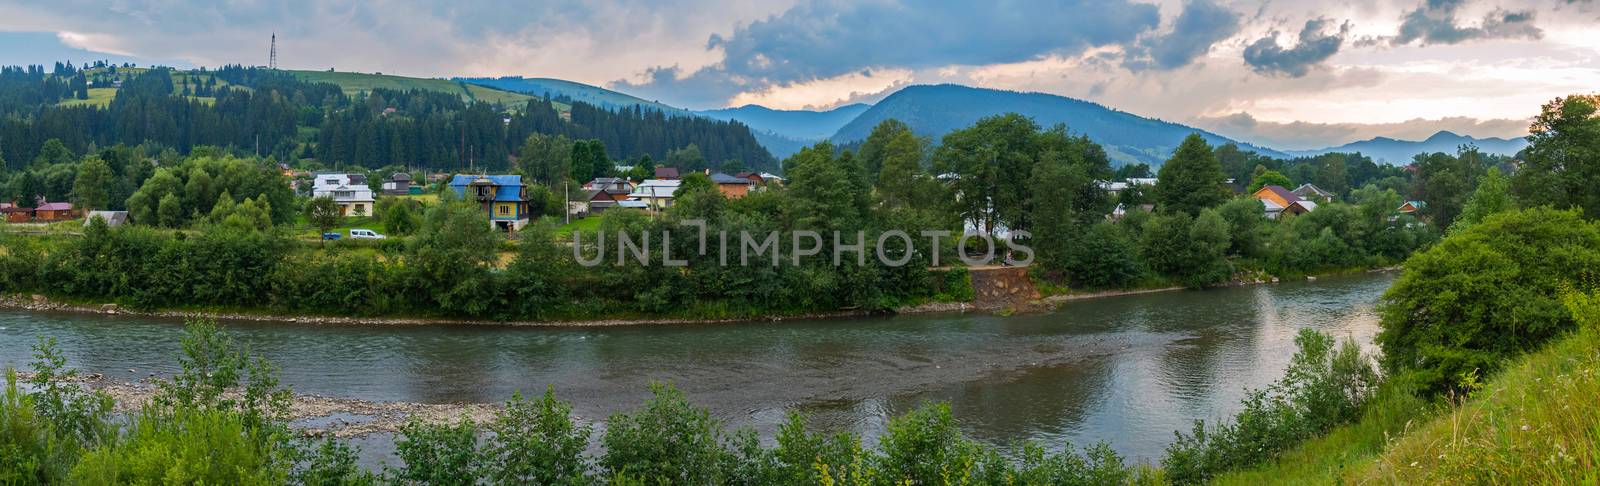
[670, 440]
[1483, 295]
[1322, 388]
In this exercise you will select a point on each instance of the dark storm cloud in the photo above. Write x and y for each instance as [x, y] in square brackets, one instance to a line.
[1265, 56]
[1202, 24]
[1434, 22]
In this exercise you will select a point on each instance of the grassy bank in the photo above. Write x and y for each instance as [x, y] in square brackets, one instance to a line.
[1534, 423]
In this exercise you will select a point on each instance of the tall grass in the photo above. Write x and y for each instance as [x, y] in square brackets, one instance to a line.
[1537, 422]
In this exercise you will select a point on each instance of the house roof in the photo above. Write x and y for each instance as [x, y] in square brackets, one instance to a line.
[1308, 205]
[400, 176]
[460, 182]
[55, 206]
[721, 178]
[666, 173]
[113, 218]
[1309, 188]
[1286, 194]
[498, 180]
[591, 194]
[658, 188]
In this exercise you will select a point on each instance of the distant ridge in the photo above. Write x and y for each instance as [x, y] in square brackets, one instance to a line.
[934, 110]
[795, 124]
[1400, 152]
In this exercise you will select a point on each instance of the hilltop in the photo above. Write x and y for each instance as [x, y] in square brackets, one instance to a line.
[934, 110]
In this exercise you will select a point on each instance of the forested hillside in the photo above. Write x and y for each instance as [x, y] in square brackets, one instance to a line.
[265, 112]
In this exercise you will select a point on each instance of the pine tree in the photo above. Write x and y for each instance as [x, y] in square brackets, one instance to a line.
[1191, 180]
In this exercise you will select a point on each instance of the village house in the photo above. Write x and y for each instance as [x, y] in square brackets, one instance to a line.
[1311, 192]
[771, 178]
[503, 198]
[654, 193]
[398, 184]
[350, 191]
[732, 187]
[669, 173]
[1280, 201]
[51, 212]
[615, 188]
[1411, 207]
[16, 214]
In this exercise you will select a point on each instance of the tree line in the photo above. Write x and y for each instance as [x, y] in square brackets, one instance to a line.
[264, 112]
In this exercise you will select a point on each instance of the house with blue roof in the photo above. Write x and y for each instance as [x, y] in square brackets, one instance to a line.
[503, 197]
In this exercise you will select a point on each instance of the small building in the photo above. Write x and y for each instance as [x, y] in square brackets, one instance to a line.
[771, 178]
[615, 188]
[1279, 201]
[1411, 207]
[16, 214]
[503, 198]
[398, 184]
[54, 211]
[350, 191]
[112, 218]
[730, 186]
[667, 173]
[655, 193]
[1311, 192]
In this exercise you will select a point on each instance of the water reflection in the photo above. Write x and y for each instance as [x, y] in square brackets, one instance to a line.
[1126, 370]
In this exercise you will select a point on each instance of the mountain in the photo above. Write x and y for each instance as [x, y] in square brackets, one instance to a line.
[791, 124]
[934, 110]
[1388, 150]
[558, 88]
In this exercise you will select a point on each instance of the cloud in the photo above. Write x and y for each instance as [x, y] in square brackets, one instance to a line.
[1265, 56]
[1434, 22]
[824, 39]
[1202, 24]
[1300, 135]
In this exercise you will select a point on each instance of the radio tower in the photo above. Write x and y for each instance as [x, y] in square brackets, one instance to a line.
[272, 58]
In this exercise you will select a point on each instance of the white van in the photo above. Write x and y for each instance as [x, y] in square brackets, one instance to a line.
[365, 234]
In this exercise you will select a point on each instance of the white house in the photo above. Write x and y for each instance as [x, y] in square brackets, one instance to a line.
[655, 193]
[349, 190]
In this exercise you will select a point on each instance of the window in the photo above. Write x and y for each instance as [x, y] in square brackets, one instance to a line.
[361, 209]
[505, 210]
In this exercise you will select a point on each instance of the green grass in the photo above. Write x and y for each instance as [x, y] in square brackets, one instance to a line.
[100, 97]
[1537, 422]
[587, 225]
[353, 83]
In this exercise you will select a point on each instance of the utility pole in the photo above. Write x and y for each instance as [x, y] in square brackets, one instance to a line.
[567, 210]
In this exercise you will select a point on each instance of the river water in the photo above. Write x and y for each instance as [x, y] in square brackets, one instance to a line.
[1127, 370]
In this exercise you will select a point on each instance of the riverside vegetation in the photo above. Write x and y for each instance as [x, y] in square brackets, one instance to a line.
[198, 244]
[221, 419]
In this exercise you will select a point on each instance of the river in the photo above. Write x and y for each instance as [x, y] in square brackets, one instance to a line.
[1127, 370]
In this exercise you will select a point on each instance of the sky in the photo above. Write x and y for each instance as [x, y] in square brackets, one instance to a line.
[1290, 74]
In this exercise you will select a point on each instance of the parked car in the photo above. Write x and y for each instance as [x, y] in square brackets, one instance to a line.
[330, 236]
[365, 234]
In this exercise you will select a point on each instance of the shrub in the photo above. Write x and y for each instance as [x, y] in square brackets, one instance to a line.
[536, 442]
[670, 440]
[1485, 294]
[1322, 388]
